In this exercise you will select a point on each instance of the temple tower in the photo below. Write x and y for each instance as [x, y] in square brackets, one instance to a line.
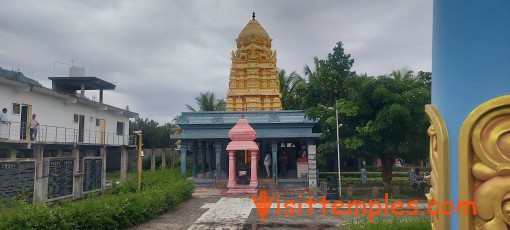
[253, 82]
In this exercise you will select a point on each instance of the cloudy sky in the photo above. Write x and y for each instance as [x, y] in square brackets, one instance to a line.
[162, 53]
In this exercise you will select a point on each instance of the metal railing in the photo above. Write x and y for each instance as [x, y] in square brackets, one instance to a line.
[20, 131]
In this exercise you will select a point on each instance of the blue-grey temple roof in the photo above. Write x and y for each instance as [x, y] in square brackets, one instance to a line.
[267, 124]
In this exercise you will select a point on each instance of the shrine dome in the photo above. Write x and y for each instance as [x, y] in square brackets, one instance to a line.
[253, 30]
[242, 131]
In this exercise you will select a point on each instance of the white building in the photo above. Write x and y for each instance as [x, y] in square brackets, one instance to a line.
[71, 126]
[63, 115]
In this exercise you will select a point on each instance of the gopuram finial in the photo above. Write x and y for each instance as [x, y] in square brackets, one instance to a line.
[253, 16]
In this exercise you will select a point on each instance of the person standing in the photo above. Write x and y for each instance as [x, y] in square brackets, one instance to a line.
[363, 173]
[4, 124]
[267, 163]
[34, 124]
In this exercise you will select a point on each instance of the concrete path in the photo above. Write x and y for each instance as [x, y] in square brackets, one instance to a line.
[213, 209]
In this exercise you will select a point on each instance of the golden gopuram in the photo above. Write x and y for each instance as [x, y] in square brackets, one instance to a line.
[253, 82]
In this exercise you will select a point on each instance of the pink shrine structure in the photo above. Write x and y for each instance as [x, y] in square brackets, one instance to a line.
[242, 136]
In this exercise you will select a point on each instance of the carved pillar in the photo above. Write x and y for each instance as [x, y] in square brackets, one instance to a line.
[217, 148]
[203, 148]
[232, 169]
[253, 179]
[194, 150]
[439, 156]
[274, 151]
[484, 165]
[184, 149]
[210, 155]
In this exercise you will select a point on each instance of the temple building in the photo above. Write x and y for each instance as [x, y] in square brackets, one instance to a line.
[227, 148]
[254, 83]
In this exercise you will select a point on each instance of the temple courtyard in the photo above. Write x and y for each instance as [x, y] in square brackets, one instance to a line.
[212, 208]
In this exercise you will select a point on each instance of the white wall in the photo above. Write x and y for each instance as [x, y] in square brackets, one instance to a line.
[53, 111]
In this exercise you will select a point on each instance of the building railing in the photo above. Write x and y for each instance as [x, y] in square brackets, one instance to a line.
[20, 131]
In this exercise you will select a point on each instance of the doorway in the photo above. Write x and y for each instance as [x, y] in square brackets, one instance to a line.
[81, 127]
[26, 110]
[102, 130]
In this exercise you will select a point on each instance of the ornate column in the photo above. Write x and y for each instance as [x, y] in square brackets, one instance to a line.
[253, 179]
[274, 156]
[470, 66]
[194, 149]
[203, 148]
[232, 169]
[184, 149]
[210, 155]
[217, 148]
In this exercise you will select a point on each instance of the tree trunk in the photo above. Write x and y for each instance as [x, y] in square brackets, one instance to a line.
[387, 172]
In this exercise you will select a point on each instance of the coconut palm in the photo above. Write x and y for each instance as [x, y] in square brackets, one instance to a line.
[288, 84]
[402, 74]
[207, 101]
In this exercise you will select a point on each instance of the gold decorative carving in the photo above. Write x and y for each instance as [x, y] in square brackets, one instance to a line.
[484, 165]
[254, 70]
[439, 161]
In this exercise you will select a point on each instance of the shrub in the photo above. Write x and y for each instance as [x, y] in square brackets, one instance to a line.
[117, 208]
[394, 224]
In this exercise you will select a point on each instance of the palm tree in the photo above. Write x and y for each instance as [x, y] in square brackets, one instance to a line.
[308, 71]
[288, 84]
[402, 74]
[207, 101]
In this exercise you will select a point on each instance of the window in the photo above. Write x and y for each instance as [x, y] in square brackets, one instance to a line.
[16, 108]
[120, 128]
[97, 121]
[76, 117]
[91, 119]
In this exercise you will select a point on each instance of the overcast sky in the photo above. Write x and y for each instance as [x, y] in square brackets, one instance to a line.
[162, 53]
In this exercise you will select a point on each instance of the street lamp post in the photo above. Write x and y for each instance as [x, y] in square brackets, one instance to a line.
[335, 92]
[139, 133]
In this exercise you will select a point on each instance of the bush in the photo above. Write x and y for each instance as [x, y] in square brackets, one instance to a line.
[117, 208]
[395, 224]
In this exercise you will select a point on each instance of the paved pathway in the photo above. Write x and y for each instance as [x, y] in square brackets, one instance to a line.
[213, 209]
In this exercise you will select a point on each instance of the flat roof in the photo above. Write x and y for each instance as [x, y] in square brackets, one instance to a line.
[74, 83]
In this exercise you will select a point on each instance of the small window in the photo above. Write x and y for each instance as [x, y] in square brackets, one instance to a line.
[16, 108]
[97, 121]
[91, 119]
[120, 128]
[76, 117]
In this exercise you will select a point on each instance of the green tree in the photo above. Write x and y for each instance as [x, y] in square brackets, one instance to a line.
[387, 119]
[153, 134]
[320, 100]
[290, 86]
[207, 101]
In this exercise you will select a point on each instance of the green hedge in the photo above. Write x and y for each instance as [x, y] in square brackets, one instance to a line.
[117, 208]
[394, 181]
[393, 224]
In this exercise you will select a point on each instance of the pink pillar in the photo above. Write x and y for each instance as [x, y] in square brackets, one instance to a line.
[231, 169]
[253, 180]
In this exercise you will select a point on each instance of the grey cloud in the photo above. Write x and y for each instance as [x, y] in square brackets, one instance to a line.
[163, 53]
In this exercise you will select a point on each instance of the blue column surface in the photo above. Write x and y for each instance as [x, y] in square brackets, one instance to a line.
[209, 154]
[194, 149]
[184, 149]
[217, 148]
[470, 65]
[274, 151]
[203, 148]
